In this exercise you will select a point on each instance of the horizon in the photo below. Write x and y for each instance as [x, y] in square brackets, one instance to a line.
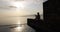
[11, 8]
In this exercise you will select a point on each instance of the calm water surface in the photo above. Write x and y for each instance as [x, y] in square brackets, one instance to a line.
[23, 28]
[15, 20]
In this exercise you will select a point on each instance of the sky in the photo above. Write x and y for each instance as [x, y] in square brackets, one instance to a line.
[19, 8]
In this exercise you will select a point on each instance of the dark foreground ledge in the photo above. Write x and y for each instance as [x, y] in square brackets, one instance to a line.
[38, 25]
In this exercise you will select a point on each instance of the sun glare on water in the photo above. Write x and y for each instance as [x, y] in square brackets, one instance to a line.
[19, 28]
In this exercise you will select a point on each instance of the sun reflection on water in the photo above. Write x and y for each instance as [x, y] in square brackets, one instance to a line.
[17, 29]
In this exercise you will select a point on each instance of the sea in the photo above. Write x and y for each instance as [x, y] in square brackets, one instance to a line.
[22, 28]
[7, 24]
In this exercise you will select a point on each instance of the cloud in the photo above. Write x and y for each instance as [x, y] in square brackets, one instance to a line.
[3, 3]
